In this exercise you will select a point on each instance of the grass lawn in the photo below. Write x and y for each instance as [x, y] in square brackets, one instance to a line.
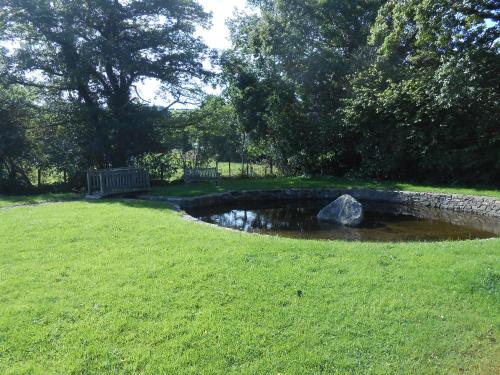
[302, 182]
[116, 287]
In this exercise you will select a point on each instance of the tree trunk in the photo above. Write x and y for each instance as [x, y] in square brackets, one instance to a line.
[39, 178]
[98, 157]
[229, 167]
[13, 170]
[119, 105]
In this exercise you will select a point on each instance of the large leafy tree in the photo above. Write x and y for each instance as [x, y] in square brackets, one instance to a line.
[95, 52]
[296, 60]
[210, 132]
[427, 108]
[270, 116]
[15, 146]
[316, 44]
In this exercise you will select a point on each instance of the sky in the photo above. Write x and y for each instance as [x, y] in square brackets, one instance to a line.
[216, 37]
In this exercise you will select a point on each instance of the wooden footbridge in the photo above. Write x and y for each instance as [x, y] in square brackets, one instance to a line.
[107, 182]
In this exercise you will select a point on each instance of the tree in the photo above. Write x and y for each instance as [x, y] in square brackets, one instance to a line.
[15, 145]
[95, 52]
[207, 133]
[290, 71]
[426, 108]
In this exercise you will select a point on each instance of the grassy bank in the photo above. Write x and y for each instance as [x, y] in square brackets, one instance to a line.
[115, 287]
[320, 182]
[228, 184]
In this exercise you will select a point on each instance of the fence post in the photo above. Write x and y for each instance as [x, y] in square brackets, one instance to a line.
[39, 178]
[101, 182]
[89, 187]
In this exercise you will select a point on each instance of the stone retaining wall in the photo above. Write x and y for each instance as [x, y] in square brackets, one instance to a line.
[485, 206]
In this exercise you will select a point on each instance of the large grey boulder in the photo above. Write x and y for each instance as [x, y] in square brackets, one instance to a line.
[344, 210]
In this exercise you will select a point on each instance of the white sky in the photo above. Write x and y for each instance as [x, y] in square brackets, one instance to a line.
[217, 37]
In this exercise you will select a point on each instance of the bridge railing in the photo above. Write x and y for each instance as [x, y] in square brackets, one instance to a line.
[107, 182]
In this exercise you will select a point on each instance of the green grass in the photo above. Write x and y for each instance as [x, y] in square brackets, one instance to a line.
[320, 182]
[116, 287]
[15, 200]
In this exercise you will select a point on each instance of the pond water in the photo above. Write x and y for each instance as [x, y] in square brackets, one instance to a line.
[383, 222]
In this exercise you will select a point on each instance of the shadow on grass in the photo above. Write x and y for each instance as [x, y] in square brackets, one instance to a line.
[133, 202]
[21, 200]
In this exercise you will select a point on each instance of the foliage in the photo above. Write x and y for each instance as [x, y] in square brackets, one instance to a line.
[15, 145]
[207, 133]
[386, 89]
[427, 107]
[288, 72]
[160, 166]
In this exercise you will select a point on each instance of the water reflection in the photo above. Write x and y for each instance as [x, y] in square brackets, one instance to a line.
[383, 222]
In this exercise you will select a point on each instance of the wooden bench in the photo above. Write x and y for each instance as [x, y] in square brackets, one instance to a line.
[201, 174]
[106, 182]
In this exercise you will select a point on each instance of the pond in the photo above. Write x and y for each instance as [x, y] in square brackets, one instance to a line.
[383, 222]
